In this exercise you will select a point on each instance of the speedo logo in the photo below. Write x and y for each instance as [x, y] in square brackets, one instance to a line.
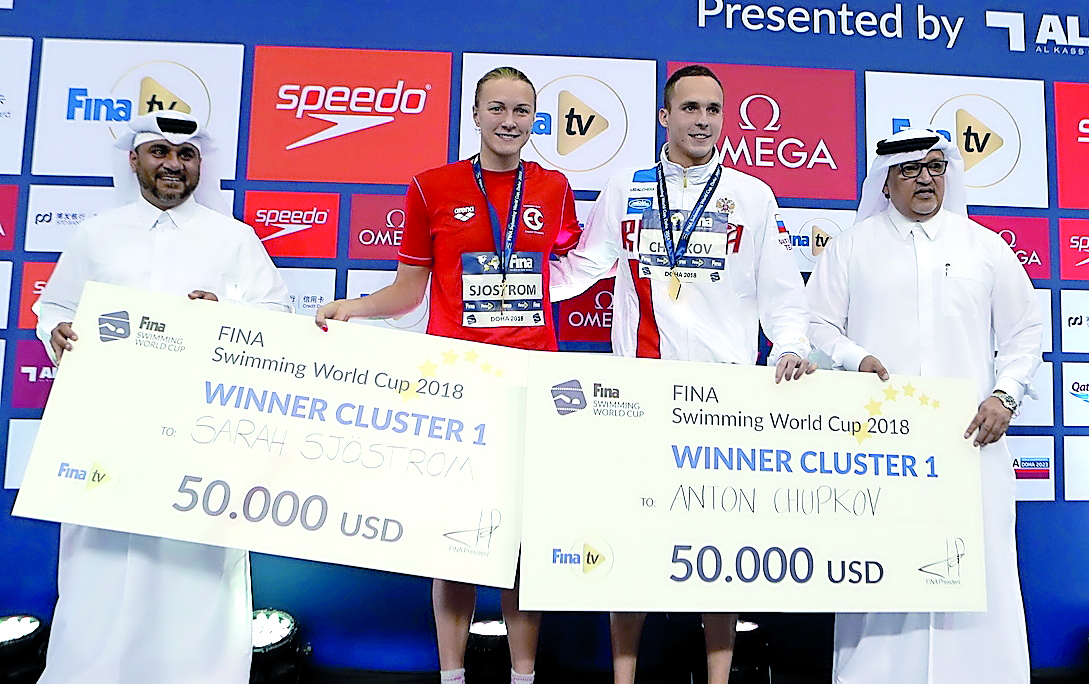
[349, 109]
[154, 97]
[290, 220]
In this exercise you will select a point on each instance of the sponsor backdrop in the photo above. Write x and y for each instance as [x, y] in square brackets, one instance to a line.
[320, 127]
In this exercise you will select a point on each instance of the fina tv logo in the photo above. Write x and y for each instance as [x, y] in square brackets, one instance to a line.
[154, 97]
[97, 476]
[590, 557]
[113, 326]
[568, 397]
[977, 140]
[558, 134]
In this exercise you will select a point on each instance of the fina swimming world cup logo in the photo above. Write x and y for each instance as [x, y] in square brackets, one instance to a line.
[568, 397]
[113, 326]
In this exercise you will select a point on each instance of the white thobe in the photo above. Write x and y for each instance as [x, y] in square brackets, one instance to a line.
[134, 609]
[936, 298]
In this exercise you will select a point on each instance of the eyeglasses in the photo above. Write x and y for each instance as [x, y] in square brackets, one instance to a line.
[913, 169]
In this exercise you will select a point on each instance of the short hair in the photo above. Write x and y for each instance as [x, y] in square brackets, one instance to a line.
[684, 72]
[507, 72]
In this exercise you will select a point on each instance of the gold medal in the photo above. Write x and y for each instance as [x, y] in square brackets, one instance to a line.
[674, 286]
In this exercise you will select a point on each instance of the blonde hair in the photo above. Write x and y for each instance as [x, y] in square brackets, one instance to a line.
[503, 72]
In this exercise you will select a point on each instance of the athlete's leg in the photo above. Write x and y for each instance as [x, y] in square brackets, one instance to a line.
[522, 630]
[624, 631]
[454, 603]
[719, 630]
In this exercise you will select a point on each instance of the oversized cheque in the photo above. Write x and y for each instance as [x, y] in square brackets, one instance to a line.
[240, 427]
[664, 485]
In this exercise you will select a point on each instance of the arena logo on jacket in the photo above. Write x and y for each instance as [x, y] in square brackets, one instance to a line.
[32, 375]
[583, 125]
[997, 124]
[772, 130]
[314, 109]
[90, 89]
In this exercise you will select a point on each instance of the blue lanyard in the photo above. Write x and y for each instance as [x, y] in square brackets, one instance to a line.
[675, 252]
[504, 244]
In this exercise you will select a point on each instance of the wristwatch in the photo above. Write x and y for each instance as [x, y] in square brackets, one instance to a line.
[1007, 400]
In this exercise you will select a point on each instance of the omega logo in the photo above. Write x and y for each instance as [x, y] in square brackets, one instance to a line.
[772, 125]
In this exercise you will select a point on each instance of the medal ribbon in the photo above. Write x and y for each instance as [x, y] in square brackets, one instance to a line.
[504, 244]
[674, 252]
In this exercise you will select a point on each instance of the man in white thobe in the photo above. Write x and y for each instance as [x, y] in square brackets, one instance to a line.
[917, 288]
[134, 609]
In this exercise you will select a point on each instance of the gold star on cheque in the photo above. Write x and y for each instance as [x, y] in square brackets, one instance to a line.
[862, 435]
[427, 369]
[890, 393]
[874, 407]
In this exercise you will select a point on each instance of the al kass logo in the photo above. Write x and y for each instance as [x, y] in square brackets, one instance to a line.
[1054, 34]
[9, 206]
[1028, 237]
[1074, 245]
[581, 123]
[588, 317]
[377, 226]
[1072, 143]
[772, 130]
[295, 224]
[33, 375]
[315, 108]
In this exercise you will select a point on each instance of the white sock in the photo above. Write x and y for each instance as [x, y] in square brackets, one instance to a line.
[516, 678]
[452, 676]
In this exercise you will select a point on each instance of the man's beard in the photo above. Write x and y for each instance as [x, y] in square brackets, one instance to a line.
[169, 196]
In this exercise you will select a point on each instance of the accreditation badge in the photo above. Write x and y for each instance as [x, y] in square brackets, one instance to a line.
[492, 300]
[704, 259]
